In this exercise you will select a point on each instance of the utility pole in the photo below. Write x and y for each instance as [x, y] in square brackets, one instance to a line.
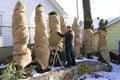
[77, 9]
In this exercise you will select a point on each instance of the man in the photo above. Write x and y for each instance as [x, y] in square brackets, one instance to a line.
[69, 43]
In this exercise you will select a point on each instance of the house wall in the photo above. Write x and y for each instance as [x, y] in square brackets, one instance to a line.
[113, 36]
[6, 9]
[96, 41]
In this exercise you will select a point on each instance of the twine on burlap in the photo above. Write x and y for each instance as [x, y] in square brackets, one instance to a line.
[77, 41]
[55, 41]
[41, 38]
[21, 54]
[102, 46]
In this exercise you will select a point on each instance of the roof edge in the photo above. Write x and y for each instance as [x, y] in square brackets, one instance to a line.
[57, 6]
[110, 23]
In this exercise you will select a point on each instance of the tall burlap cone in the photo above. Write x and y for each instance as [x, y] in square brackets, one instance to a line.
[77, 41]
[55, 41]
[21, 54]
[41, 38]
[88, 41]
[102, 46]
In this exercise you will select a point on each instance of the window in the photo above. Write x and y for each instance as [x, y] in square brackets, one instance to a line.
[1, 18]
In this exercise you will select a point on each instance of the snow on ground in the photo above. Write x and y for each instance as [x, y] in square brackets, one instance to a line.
[2, 66]
[85, 59]
[102, 75]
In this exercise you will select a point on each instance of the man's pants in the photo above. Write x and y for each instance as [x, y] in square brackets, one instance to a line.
[70, 55]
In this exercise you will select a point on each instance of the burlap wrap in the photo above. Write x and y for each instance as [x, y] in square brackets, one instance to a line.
[55, 41]
[41, 38]
[63, 28]
[102, 46]
[62, 24]
[77, 41]
[88, 41]
[21, 54]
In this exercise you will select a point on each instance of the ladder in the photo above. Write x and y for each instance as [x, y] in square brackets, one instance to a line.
[54, 52]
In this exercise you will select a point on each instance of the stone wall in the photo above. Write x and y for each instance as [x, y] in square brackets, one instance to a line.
[72, 72]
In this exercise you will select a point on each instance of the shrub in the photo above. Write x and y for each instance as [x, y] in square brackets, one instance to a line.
[13, 72]
[53, 13]
[102, 24]
[88, 24]
[39, 5]
[83, 68]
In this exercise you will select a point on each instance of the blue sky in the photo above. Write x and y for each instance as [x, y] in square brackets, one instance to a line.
[99, 8]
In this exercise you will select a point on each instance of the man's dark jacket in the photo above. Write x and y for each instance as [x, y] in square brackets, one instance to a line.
[69, 38]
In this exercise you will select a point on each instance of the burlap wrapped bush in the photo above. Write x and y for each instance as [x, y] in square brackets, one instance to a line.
[55, 41]
[106, 56]
[102, 39]
[54, 22]
[77, 41]
[102, 45]
[63, 28]
[23, 60]
[41, 38]
[63, 24]
[88, 41]
[21, 54]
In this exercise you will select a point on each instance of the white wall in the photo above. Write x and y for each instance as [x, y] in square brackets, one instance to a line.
[6, 9]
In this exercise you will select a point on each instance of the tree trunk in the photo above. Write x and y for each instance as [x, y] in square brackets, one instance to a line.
[86, 9]
[88, 29]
